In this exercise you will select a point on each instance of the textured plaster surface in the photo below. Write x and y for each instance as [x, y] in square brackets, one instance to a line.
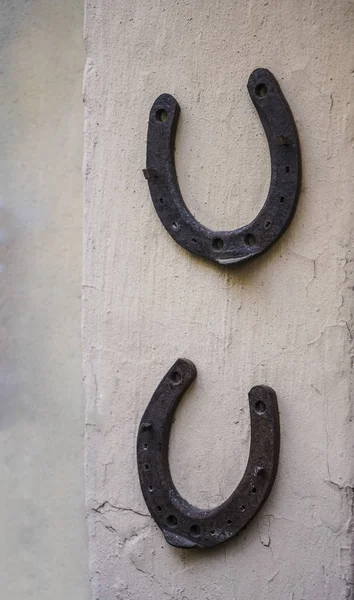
[43, 550]
[284, 320]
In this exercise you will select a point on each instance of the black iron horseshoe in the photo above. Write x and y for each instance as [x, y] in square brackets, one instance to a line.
[227, 247]
[184, 525]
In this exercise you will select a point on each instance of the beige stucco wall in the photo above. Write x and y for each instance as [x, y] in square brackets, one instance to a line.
[283, 320]
[43, 549]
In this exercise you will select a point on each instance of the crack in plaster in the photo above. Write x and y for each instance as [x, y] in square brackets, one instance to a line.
[109, 506]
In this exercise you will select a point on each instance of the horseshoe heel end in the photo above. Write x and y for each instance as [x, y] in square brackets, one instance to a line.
[263, 78]
[159, 411]
[165, 102]
[265, 435]
[185, 525]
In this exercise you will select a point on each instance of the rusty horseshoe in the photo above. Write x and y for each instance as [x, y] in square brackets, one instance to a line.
[184, 525]
[234, 246]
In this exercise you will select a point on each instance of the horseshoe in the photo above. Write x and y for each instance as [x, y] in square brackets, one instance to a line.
[227, 247]
[184, 525]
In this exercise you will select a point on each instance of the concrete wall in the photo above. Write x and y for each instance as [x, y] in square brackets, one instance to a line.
[43, 552]
[282, 320]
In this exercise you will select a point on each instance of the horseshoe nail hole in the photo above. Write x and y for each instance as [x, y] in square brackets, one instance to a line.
[217, 244]
[212, 531]
[171, 521]
[281, 199]
[229, 522]
[194, 240]
[176, 378]
[146, 467]
[254, 490]
[250, 240]
[287, 169]
[260, 407]
[174, 225]
[195, 531]
[261, 90]
[145, 446]
[242, 508]
[159, 508]
[162, 202]
[145, 426]
[150, 488]
[267, 224]
[161, 115]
